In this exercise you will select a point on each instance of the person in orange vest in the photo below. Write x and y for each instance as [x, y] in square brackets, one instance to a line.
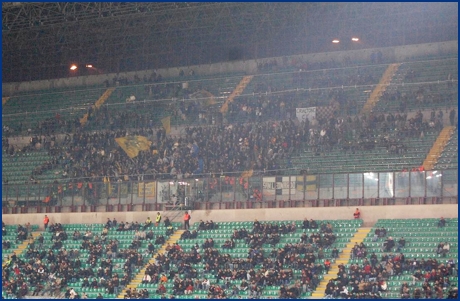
[357, 213]
[46, 221]
[187, 218]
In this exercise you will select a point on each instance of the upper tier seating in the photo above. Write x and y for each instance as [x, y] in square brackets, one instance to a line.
[415, 86]
[49, 111]
[181, 98]
[275, 95]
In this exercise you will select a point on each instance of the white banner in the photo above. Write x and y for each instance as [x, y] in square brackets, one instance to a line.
[305, 113]
[278, 185]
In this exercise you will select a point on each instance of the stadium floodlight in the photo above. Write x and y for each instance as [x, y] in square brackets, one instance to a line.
[335, 41]
[73, 67]
[355, 39]
[89, 66]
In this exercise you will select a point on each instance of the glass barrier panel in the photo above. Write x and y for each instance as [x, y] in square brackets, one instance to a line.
[325, 184]
[417, 184]
[297, 188]
[185, 190]
[163, 192]
[311, 187]
[144, 191]
[371, 185]
[100, 194]
[242, 189]
[433, 183]
[340, 186]
[270, 188]
[255, 189]
[355, 181]
[449, 182]
[402, 187]
[228, 188]
[386, 185]
[34, 197]
[91, 194]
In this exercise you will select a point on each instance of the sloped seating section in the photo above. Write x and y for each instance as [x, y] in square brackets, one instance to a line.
[182, 98]
[49, 111]
[422, 237]
[19, 168]
[415, 86]
[449, 156]
[347, 87]
[91, 259]
[13, 239]
[10, 234]
[380, 158]
[238, 256]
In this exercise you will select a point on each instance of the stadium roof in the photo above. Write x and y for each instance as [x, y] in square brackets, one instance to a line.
[41, 40]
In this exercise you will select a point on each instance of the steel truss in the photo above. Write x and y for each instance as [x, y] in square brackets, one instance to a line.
[40, 40]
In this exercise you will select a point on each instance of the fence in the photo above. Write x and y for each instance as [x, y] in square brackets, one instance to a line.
[232, 192]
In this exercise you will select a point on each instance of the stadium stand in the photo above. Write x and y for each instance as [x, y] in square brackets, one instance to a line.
[270, 259]
[80, 259]
[186, 100]
[249, 145]
[391, 264]
[47, 112]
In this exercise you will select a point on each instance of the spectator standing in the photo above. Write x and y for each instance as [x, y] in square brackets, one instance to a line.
[158, 219]
[46, 221]
[187, 218]
[357, 214]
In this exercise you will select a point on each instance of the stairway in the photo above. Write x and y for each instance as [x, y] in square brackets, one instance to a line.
[23, 246]
[380, 88]
[98, 104]
[438, 147]
[238, 90]
[343, 258]
[138, 278]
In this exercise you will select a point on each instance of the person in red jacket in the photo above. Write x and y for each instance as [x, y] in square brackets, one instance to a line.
[187, 218]
[357, 214]
[46, 221]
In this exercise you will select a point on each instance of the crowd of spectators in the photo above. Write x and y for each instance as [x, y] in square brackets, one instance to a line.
[369, 279]
[261, 268]
[225, 149]
[49, 267]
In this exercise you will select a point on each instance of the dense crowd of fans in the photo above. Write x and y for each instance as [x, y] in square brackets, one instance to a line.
[223, 149]
[261, 267]
[49, 267]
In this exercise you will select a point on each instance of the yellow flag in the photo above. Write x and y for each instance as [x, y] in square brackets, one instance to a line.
[133, 144]
[205, 96]
[167, 124]
[310, 182]
[109, 186]
[247, 173]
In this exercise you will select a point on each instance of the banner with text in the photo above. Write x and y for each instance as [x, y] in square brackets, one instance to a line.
[148, 189]
[303, 114]
[278, 185]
